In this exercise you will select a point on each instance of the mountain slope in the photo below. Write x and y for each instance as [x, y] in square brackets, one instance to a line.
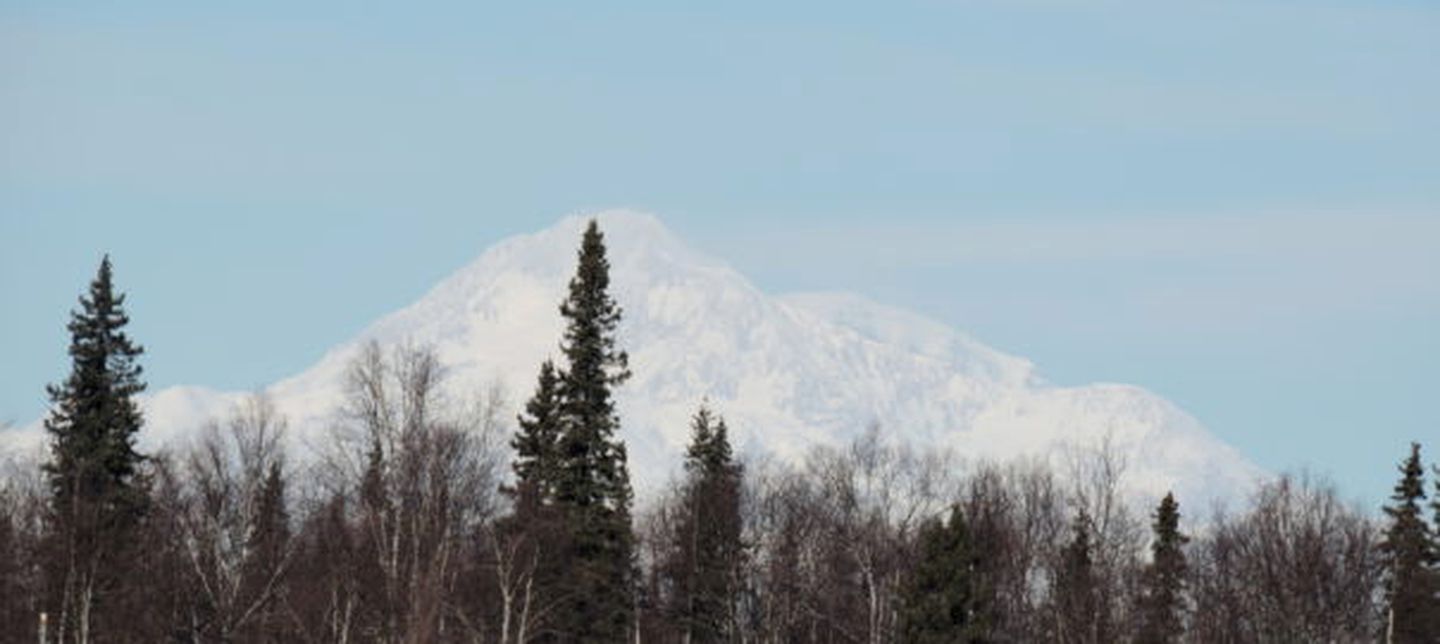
[787, 372]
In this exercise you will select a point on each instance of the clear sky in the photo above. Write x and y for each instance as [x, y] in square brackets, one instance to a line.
[1233, 203]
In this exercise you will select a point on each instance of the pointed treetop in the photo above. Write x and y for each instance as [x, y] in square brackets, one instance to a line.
[1408, 551]
[102, 287]
[1411, 485]
[594, 316]
[1081, 528]
[1435, 502]
[709, 449]
[1168, 504]
[536, 444]
[94, 420]
[1167, 523]
[1408, 524]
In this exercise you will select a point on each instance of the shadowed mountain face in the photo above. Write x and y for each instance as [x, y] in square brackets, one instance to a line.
[788, 372]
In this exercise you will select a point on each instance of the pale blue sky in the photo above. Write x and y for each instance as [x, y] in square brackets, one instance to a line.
[1236, 204]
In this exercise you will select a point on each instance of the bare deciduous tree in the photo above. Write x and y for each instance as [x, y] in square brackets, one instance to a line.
[22, 515]
[424, 471]
[233, 523]
[831, 543]
[1299, 566]
[1096, 474]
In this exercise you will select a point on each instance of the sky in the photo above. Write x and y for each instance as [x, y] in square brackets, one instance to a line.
[1235, 204]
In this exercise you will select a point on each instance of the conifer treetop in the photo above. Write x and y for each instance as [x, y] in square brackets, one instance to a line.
[594, 315]
[94, 419]
[709, 451]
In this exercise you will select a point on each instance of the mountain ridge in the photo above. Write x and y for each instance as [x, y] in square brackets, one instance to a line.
[789, 372]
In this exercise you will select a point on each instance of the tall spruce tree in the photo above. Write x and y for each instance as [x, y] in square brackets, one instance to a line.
[942, 599]
[1408, 551]
[15, 595]
[97, 492]
[537, 445]
[1434, 570]
[270, 532]
[1435, 551]
[533, 539]
[593, 488]
[268, 559]
[708, 550]
[1162, 605]
[1076, 600]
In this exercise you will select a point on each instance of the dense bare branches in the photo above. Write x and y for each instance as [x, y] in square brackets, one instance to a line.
[409, 548]
[233, 477]
[426, 488]
[1298, 566]
[831, 541]
[23, 506]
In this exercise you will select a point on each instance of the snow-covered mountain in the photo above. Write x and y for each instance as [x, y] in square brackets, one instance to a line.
[788, 372]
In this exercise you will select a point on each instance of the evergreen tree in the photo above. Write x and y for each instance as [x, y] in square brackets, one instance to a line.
[593, 488]
[374, 495]
[532, 538]
[1076, 602]
[271, 531]
[1162, 605]
[325, 593]
[709, 451]
[708, 548]
[536, 445]
[941, 599]
[1408, 551]
[371, 569]
[14, 595]
[268, 562]
[1433, 575]
[97, 492]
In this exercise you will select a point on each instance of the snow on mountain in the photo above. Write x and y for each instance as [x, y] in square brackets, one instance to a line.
[787, 372]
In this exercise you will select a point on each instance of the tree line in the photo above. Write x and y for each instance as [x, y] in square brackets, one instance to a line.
[407, 527]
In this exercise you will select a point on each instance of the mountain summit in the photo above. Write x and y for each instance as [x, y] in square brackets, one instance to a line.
[788, 372]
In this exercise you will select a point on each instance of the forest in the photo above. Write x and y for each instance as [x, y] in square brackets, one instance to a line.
[425, 518]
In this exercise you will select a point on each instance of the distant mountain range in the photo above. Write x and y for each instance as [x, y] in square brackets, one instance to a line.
[788, 372]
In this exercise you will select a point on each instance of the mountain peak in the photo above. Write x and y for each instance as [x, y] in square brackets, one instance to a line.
[635, 241]
[634, 224]
[625, 230]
